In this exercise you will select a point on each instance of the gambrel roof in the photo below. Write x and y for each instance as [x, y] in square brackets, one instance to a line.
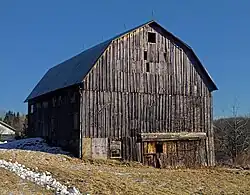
[71, 72]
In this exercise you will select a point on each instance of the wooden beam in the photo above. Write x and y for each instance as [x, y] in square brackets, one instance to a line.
[173, 136]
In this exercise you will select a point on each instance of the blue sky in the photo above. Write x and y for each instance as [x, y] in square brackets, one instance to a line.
[36, 35]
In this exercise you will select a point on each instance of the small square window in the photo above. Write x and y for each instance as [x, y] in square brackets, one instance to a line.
[151, 37]
[115, 149]
[145, 55]
[147, 67]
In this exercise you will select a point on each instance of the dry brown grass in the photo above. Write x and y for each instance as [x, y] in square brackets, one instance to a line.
[12, 184]
[111, 177]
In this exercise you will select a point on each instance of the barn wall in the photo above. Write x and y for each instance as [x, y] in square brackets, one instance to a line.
[121, 98]
[55, 117]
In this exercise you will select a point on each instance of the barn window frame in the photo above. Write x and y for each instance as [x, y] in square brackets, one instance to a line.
[151, 37]
[115, 149]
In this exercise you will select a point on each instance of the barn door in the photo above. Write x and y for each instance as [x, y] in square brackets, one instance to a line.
[149, 153]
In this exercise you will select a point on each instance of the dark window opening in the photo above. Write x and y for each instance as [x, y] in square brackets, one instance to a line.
[115, 153]
[145, 55]
[159, 148]
[147, 67]
[165, 56]
[151, 37]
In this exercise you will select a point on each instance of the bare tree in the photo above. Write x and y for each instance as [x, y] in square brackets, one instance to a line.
[232, 136]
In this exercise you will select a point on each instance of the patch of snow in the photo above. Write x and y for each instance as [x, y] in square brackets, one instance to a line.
[43, 179]
[34, 144]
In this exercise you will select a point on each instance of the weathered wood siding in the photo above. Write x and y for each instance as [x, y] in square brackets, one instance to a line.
[53, 118]
[121, 99]
[178, 153]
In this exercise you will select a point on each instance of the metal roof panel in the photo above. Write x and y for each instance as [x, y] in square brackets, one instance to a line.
[70, 72]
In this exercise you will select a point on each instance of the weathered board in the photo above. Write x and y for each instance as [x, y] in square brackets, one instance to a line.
[173, 136]
[99, 148]
[86, 147]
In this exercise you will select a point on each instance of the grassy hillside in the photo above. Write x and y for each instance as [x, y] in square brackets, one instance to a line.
[111, 177]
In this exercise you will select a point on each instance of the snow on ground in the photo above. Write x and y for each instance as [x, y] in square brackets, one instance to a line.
[34, 144]
[42, 179]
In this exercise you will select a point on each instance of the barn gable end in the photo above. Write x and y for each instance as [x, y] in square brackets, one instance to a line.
[138, 86]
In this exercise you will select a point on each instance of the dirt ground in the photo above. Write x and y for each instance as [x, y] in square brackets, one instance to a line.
[14, 185]
[112, 177]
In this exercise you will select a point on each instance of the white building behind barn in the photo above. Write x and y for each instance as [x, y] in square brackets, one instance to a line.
[7, 133]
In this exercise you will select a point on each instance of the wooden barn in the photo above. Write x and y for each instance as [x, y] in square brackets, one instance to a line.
[143, 96]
